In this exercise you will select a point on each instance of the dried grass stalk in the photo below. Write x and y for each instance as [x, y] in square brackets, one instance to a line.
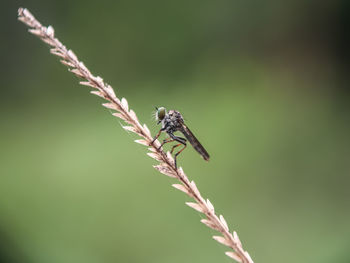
[122, 111]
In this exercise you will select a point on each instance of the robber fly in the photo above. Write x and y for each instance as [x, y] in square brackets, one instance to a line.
[172, 121]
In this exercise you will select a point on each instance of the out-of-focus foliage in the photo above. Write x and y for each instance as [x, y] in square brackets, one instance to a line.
[264, 85]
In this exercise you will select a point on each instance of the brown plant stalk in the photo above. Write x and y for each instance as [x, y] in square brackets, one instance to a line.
[122, 111]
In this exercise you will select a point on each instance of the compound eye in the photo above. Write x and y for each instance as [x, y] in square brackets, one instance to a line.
[161, 113]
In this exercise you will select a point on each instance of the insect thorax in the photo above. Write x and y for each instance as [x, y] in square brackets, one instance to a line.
[172, 121]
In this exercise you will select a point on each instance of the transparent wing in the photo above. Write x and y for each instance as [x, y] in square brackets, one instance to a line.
[194, 142]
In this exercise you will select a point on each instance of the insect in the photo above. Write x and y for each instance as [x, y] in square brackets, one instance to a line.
[172, 121]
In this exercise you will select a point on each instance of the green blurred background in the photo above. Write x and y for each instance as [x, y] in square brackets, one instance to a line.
[263, 84]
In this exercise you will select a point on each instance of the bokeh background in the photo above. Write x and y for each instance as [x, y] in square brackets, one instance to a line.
[263, 84]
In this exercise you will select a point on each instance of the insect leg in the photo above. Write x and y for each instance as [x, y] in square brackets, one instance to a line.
[157, 136]
[165, 141]
[176, 154]
[181, 141]
[176, 145]
[177, 138]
